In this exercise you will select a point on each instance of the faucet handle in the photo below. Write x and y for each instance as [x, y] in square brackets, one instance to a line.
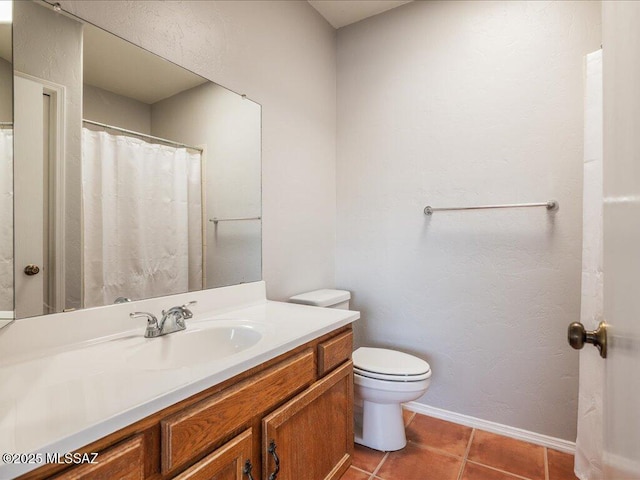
[186, 312]
[153, 330]
[151, 318]
[189, 304]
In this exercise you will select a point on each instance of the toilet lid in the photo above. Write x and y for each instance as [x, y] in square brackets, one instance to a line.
[389, 365]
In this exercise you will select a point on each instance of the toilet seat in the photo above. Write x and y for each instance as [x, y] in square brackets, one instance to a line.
[391, 378]
[389, 365]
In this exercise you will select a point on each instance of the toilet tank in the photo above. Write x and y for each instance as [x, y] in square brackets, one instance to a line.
[324, 298]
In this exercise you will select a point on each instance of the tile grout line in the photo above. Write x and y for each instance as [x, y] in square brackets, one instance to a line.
[377, 469]
[444, 453]
[360, 470]
[511, 474]
[466, 454]
[546, 464]
[413, 415]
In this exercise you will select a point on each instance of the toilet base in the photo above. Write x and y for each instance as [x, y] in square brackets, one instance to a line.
[380, 426]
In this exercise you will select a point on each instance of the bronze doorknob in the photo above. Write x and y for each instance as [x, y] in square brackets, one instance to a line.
[31, 269]
[578, 336]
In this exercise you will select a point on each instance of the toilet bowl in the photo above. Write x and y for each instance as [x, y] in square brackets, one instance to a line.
[383, 380]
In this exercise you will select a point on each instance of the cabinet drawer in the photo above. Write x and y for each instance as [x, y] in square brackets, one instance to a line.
[227, 462]
[334, 351]
[124, 461]
[195, 430]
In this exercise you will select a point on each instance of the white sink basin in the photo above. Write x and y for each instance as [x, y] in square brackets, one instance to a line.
[200, 343]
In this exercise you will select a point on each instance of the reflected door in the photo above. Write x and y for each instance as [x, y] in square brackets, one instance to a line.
[621, 422]
[30, 212]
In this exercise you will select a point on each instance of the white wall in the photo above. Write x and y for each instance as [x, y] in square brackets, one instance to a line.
[103, 106]
[466, 103]
[281, 55]
[228, 127]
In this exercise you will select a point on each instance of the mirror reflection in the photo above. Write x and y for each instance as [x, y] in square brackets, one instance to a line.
[149, 175]
[6, 165]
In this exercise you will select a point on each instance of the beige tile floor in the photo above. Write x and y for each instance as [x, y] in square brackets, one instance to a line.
[441, 450]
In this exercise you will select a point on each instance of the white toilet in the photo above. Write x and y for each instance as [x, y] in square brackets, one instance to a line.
[383, 380]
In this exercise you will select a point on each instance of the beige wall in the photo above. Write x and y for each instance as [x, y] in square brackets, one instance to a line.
[468, 103]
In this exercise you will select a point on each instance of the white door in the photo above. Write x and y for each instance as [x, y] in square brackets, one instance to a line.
[621, 62]
[29, 182]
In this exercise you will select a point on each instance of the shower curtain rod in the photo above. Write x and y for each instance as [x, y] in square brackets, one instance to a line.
[143, 135]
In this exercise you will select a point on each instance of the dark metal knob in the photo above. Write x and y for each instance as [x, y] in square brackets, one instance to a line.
[578, 336]
[31, 269]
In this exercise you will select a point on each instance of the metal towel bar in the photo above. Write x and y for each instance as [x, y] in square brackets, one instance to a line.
[551, 205]
[216, 220]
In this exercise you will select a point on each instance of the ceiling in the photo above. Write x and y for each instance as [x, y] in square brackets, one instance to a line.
[340, 13]
[118, 66]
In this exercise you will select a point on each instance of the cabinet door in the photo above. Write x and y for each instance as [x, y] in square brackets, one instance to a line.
[312, 433]
[226, 463]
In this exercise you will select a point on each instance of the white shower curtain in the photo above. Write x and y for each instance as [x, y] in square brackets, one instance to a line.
[142, 218]
[588, 463]
[6, 220]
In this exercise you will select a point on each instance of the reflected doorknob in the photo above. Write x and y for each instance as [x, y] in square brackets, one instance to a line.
[31, 269]
[578, 336]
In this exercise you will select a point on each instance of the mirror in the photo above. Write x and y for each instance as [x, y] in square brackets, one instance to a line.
[134, 177]
[6, 165]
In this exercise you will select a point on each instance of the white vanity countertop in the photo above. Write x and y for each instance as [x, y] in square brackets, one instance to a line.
[62, 397]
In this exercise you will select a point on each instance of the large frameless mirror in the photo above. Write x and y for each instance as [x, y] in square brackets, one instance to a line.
[134, 177]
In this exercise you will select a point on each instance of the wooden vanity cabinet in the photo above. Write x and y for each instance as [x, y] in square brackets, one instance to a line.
[302, 401]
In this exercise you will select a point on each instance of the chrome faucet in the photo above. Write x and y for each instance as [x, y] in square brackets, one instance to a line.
[173, 320]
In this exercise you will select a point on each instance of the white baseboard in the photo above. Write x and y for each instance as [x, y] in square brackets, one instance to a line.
[506, 430]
